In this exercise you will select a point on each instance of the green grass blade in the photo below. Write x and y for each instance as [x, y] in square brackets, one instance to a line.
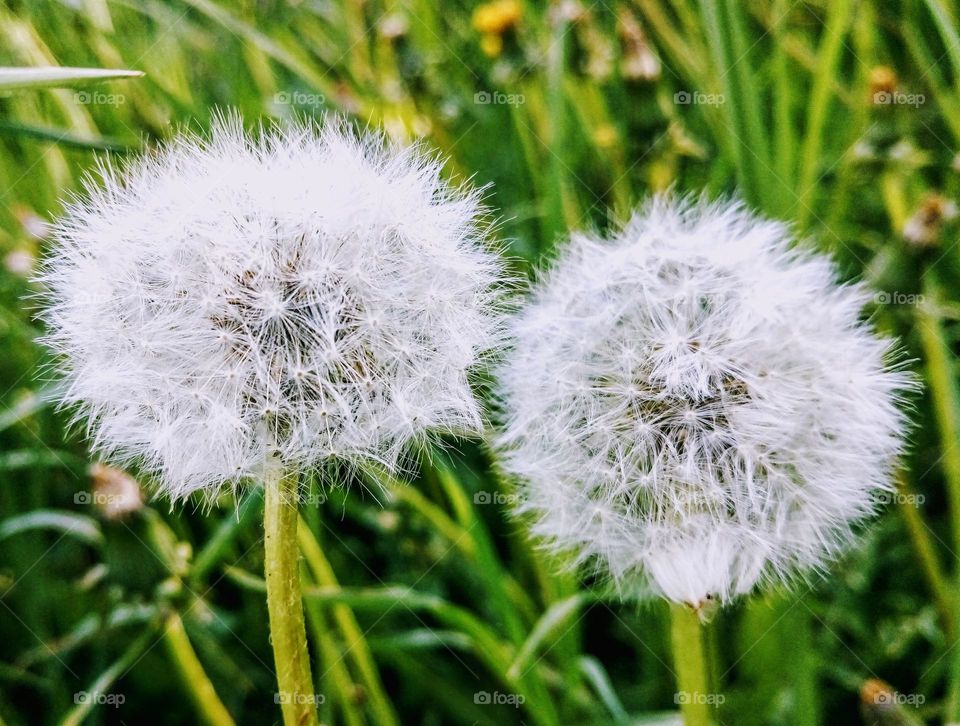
[79, 526]
[107, 678]
[839, 19]
[19, 79]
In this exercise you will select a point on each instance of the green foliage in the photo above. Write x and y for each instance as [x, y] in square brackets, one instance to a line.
[426, 604]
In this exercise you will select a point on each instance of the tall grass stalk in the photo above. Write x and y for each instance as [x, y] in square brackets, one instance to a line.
[194, 677]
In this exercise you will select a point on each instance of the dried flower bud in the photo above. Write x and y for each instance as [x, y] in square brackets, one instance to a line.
[925, 225]
[883, 82]
[638, 62]
[115, 493]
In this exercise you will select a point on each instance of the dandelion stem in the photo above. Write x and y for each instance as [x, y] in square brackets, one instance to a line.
[690, 665]
[284, 598]
[201, 690]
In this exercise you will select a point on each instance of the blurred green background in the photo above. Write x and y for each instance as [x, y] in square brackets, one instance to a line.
[426, 603]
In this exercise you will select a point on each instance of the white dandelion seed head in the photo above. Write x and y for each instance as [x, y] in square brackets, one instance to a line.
[307, 292]
[695, 406]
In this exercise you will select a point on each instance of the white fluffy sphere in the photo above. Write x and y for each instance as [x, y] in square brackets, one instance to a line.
[696, 406]
[307, 293]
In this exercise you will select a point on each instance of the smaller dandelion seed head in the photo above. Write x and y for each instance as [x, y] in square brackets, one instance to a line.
[306, 291]
[695, 405]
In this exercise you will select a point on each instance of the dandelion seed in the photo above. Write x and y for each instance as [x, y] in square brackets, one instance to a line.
[308, 293]
[695, 406]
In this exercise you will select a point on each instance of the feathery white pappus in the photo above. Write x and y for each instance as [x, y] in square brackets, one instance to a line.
[696, 406]
[307, 292]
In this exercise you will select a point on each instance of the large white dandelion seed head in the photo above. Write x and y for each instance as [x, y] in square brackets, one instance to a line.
[695, 406]
[306, 293]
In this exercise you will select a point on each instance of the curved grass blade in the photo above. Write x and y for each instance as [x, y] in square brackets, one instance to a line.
[86, 529]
